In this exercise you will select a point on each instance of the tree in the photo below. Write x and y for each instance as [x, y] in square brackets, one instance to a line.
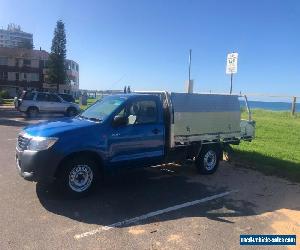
[57, 72]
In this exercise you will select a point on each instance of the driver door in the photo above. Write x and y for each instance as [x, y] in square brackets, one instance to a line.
[139, 142]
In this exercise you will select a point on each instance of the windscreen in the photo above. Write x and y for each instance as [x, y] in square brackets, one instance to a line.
[102, 109]
[27, 96]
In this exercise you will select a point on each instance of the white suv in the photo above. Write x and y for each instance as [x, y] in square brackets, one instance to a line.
[35, 102]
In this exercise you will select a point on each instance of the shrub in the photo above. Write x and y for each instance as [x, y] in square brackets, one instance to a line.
[4, 94]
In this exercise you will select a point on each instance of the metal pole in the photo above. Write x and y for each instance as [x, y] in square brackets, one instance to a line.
[294, 105]
[248, 109]
[190, 62]
[231, 76]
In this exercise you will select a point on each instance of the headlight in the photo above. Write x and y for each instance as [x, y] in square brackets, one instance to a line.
[41, 143]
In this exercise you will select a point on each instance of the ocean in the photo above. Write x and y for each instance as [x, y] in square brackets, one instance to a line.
[274, 106]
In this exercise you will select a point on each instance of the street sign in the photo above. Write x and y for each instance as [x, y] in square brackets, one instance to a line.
[231, 67]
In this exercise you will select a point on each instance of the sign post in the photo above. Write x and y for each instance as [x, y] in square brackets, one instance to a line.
[190, 82]
[231, 66]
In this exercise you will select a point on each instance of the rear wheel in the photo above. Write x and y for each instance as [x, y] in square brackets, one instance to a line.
[71, 112]
[208, 160]
[32, 112]
[78, 176]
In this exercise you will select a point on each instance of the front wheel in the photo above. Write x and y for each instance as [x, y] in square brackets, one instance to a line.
[208, 159]
[78, 176]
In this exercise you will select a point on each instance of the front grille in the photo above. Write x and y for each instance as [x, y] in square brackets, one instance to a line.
[22, 142]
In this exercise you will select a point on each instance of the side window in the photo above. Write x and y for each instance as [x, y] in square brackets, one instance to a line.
[42, 97]
[53, 98]
[28, 96]
[140, 112]
[146, 112]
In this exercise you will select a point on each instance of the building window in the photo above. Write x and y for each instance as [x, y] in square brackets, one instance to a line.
[25, 76]
[17, 62]
[27, 62]
[43, 64]
[17, 76]
[34, 77]
[3, 75]
[3, 60]
[77, 68]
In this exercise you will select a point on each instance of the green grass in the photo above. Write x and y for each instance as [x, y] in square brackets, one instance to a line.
[7, 102]
[90, 101]
[276, 148]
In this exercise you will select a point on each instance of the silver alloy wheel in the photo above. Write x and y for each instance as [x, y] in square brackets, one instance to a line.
[210, 160]
[80, 178]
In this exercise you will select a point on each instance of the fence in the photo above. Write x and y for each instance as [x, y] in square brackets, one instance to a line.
[276, 105]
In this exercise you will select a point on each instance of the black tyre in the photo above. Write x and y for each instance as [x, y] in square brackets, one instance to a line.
[71, 112]
[78, 176]
[32, 112]
[208, 160]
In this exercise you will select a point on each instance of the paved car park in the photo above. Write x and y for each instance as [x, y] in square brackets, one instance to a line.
[166, 207]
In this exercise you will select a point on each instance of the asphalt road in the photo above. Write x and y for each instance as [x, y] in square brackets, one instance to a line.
[36, 217]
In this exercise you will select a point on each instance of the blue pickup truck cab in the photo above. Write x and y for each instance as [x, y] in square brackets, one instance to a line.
[119, 131]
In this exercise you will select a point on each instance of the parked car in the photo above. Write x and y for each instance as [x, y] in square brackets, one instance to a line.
[67, 97]
[128, 131]
[33, 102]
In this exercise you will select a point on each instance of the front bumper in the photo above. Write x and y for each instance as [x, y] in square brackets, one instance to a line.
[37, 166]
[21, 108]
[26, 175]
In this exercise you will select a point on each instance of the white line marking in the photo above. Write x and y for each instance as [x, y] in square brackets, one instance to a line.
[151, 214]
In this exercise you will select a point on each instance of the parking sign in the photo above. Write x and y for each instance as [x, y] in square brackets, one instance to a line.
[231, 67]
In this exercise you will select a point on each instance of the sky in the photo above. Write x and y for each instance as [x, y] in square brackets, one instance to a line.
[145, 44]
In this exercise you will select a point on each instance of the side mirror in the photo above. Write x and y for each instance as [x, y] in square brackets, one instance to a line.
[120, 121]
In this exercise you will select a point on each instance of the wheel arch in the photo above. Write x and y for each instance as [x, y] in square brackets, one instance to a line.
[32, 106]
[70, 107]
[84, 153]
[215, 145]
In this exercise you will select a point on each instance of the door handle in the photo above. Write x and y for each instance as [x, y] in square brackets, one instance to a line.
[155, 131]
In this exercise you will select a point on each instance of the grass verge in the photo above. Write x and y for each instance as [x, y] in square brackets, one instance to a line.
[276, 148]
[90, 101]
[7, 102]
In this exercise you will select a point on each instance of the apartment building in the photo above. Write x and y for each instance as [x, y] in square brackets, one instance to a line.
[26, 69]
[73, 75]
[14, 37]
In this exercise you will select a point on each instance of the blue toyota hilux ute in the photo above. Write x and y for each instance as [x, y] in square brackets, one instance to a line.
[119, 131]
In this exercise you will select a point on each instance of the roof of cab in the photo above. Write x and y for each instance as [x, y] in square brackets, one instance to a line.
[130, 95]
